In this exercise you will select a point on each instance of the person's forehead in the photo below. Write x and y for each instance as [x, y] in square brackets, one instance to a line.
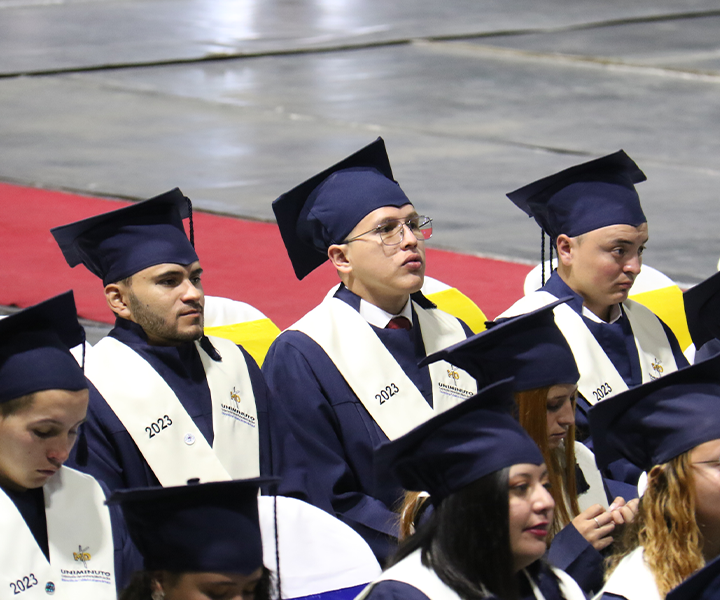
[389, 212]
[166, 268]
[621, 232]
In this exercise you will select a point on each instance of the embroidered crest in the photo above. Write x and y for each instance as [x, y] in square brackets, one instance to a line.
[82, 555]
[453, 374]
[235, 396]
[657, 369]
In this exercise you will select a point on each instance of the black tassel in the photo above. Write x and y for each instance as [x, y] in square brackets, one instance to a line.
[192, 227]
[542, 254]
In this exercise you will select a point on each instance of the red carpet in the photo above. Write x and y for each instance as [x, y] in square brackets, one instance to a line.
[243, 260]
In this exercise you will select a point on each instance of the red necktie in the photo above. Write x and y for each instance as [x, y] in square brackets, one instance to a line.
[399, 323]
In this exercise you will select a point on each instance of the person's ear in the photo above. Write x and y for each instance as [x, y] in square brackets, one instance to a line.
[565, 246]
[156, 589]
[337, 253]
[116, 295]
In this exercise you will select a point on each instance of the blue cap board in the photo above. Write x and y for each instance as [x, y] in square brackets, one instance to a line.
[35, 349]
[585, 197]
[702, 310]
[701, 585]
[199, 527]
[477, 437]
[529, 348]
[120, 243]
[657, 421]
[323, 210]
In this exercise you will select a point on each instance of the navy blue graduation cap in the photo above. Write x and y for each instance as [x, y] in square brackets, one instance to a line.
[657, 421]
[585, 197]
[459, 446]
[35, 349]
[200, 527]
[701, 585]
[702, 310]
[529, 348]
[323, 210]
[118, 244]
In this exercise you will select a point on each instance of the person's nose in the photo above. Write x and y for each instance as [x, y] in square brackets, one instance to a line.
[566, 418]
[409, 240]
[59, 450]
[542, 500]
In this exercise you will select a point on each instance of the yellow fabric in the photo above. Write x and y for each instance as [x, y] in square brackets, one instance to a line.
[667, 303]
[255, 336]
[456, 303]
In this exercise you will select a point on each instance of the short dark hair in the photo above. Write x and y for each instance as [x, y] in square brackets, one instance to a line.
[16, 404]
[466, 540]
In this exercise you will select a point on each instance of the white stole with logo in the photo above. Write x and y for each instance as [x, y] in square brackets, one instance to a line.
[80, 541]
[388, 394]
[599, 378]
[166, 435]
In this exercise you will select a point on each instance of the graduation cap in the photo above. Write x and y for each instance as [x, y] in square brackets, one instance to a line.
[585, 197]
[118, 244]
[323, 210]
[701, 585]
[657, 421]
[702, 310]
[459, 446]
[200, 527]
[530, 348]
[35, 349]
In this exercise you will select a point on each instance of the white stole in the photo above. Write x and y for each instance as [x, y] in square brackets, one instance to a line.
[388, 394]
[411, 571]
[596, 494]
[80, 541]
[599, 378]
[632, 579]
[166, 435]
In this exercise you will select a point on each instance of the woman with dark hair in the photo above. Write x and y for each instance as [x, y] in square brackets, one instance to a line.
[669, 428]
[531, 349]
[199, 541]
[491, 509]
[57, 535]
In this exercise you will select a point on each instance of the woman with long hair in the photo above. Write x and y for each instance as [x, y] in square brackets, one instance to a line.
[58, 537]
[491, 510]
[531, 349]
[669, 428]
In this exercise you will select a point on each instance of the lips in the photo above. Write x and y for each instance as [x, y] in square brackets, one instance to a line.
[413, 261]
[539, 530]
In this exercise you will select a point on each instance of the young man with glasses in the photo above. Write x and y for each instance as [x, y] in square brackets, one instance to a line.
[347, 372]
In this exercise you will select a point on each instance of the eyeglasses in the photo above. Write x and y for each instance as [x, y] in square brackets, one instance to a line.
[392, 232]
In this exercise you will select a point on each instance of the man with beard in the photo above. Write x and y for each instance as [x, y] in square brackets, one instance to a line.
[168, 404]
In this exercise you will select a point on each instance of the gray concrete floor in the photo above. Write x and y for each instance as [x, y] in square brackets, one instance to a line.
[236, 101]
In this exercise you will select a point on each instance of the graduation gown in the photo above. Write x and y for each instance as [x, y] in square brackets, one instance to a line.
[70, 504]
[107, 451]
[411, 580]
[337, 432]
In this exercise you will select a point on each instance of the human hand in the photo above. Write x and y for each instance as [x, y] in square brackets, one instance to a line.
[596, 524]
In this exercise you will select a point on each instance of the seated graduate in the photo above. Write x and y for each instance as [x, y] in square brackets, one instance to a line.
[671, 429]
[593, 217]
[57, 536]
[531, 349]
[167, 403]
[347, 373]
[492, 510]
[200, 540]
